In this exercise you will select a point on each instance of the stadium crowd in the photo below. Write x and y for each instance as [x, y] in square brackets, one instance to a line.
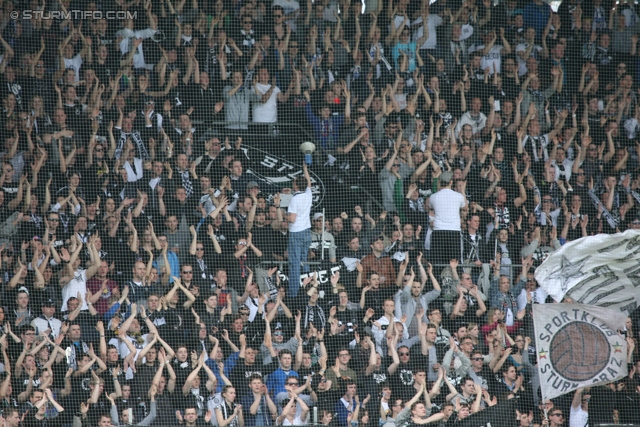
[151, 275]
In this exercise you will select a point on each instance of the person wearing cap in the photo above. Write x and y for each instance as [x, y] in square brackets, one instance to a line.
[298, 215]
[97, 164]
[147, 118]
[320, 239]
[46, 320]
[280, 342]
[445, 239]
[634, 224]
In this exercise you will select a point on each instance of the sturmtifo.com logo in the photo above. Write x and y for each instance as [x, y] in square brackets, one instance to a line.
[73, 14]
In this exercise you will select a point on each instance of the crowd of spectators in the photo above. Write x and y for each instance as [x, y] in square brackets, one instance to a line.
[151, 276]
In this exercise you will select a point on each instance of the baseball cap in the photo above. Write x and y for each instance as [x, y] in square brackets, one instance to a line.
[317, 216]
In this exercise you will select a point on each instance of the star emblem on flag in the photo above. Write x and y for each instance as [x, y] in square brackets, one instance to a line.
[542, 354]
[617, 347]
[568, 270]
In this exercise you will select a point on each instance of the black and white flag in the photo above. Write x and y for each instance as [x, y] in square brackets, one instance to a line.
[600, 270]
[578, 346]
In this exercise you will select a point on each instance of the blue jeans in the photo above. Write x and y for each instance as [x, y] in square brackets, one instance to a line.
[299, 243]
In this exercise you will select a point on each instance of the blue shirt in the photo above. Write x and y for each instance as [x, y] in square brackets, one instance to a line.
[277, 379]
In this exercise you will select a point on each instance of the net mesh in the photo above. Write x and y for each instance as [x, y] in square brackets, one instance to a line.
[259, 213]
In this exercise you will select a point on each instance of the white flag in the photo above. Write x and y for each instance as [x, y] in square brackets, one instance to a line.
[578, 346]
[600, 270]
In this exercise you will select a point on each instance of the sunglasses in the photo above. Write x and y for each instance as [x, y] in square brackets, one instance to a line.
[404, 353]
[477, 359]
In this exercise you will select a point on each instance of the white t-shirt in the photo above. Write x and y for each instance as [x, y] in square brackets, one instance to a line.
[539, 296]
[296, 422]
[433, 21]
[578, 417]
[75, 285]
[138, 343]
[447, 204]
[300, 205]
[289, 6]
[267, 112]
[127, 43]
[74, 63]
[522, 64]
[493, 57]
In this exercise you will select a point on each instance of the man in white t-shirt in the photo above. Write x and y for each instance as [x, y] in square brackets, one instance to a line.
[433, 21]
[492, 52]
[75, 279]
[298, 217]
[290, 7]
[266, 111]
[446, 203]
[527, 49]
[579, 412]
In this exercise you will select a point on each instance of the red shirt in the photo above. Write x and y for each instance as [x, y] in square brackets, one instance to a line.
[95, 285]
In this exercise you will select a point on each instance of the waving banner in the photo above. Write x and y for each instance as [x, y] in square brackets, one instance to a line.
[280, 172]
[600, 270]
[578, 346]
